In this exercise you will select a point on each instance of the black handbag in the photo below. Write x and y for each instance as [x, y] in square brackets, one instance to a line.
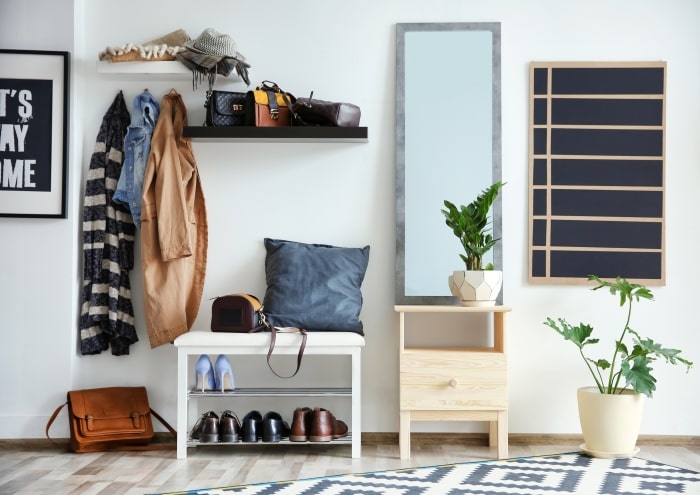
[310, 111]
[225, 108]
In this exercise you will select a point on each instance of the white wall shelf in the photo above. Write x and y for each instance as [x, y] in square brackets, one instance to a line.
[155, 67]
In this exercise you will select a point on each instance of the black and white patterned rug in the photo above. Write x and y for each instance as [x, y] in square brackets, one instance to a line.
[571, 473]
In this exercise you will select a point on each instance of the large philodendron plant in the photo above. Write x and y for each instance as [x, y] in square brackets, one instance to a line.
[632, 354]
[471, 225]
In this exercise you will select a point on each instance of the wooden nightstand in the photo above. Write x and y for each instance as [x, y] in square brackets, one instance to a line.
[454, 383]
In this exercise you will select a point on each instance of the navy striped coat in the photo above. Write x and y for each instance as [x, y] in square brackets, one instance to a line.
[107, 315]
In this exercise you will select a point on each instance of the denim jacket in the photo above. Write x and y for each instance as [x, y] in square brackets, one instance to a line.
[137, 146]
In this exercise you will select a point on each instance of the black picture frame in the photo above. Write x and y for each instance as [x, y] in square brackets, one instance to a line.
[34, 103]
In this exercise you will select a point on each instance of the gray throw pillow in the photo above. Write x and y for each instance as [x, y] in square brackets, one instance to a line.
[314, 286]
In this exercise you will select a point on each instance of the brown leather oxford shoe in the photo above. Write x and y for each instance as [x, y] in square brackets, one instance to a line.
[199, 425]
[301, 424]
[229, 427]
[210, 428]
[321, 425]
[340, 429]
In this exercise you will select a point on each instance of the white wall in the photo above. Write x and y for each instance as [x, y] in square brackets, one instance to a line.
[343, 193]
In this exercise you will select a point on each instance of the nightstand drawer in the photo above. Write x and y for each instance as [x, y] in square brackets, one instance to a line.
[439, 380]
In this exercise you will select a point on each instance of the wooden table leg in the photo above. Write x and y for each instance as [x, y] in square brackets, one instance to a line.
[405, 434]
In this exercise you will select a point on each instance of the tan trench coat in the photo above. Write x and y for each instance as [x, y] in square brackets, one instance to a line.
[174, 232]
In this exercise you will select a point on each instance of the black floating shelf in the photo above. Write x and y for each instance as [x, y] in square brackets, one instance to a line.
[277, 134]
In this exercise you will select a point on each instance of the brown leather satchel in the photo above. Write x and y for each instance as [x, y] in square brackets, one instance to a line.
[111, 418]
[269, 106]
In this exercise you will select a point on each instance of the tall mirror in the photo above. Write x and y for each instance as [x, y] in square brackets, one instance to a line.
[448, 146]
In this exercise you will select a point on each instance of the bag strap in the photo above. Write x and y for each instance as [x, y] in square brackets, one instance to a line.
[124, 447]
[273, 338]
[265, 325]
[50, 422]
[272, 105]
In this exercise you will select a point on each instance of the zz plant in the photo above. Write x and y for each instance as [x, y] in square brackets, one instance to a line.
[632, 354]
[471, 225]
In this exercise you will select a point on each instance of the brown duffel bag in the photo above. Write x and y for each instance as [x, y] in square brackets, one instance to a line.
[110, 418]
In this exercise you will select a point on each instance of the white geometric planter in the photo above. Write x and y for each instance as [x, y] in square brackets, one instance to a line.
[610, 423]
[476, 287]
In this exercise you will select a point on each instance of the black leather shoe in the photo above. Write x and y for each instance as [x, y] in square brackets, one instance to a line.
[274, 428]
[229, 427]
[199, 425]
[251, 426]
[210, 428]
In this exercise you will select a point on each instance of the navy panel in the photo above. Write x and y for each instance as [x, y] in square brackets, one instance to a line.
[539, 201]
[539, 264]
[579, 233]
[608, 81]
[606, 112]
[605, 264]
[540, 141]
[597, 203]
[539, 232]
[540, 82]
[583, 172]
[540, 111]
[607, 142]
[539, 172]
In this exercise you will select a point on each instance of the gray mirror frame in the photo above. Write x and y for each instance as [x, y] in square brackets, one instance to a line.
[401, 29]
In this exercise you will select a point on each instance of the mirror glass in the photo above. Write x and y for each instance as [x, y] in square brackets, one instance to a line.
[448, 146]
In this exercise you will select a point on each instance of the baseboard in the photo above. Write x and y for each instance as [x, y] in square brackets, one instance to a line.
[477, 439]
[392, 438]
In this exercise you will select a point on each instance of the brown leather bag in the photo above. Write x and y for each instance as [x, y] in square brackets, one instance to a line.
[243, 313]
[310, 111]
[111, 418]
[269, 106]
[237, 313]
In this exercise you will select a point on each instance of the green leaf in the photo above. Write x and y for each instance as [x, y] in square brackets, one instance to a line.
[638, 376]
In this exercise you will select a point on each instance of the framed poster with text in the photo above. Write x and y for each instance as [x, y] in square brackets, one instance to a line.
[33, 133]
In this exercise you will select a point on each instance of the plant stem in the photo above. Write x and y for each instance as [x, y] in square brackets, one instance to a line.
[611, 387]
[598, 382]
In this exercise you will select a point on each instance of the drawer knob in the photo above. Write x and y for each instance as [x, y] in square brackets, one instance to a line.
[453, 383]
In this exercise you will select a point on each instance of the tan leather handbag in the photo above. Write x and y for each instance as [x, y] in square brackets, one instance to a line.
[111, 418]
[269, 106]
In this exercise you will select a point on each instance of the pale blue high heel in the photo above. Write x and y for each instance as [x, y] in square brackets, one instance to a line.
[223, 374]
[204, 374]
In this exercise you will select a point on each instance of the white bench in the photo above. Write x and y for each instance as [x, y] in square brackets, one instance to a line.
[195, 343]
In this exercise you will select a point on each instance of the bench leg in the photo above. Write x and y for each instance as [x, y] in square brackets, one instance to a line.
[356, 404]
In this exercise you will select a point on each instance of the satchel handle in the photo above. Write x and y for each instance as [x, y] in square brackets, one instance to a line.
[269, 86]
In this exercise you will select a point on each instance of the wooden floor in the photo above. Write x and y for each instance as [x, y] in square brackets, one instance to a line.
[44, 470]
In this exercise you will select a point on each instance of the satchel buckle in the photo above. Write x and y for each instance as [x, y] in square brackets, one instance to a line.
[135, 418]
[237, 107]
[274, 114]
[88, 420]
